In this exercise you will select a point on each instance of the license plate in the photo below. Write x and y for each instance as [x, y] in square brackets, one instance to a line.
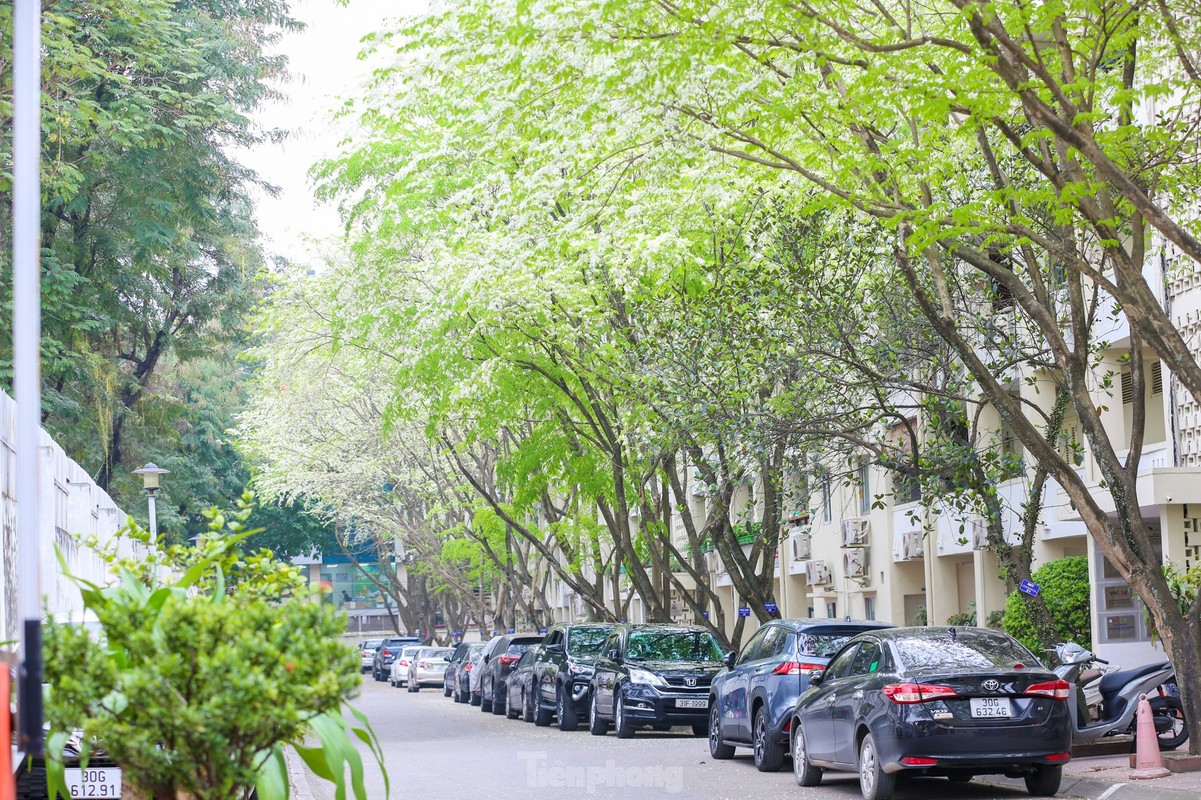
[699, 702]
[990, 707]
[103, 783]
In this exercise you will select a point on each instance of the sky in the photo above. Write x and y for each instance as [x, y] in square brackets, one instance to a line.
[325, 67]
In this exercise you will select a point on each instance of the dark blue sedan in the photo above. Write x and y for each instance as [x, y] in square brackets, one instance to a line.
[751, 704]
[955, 702]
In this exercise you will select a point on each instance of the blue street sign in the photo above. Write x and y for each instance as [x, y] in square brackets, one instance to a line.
[456, 633]
[542, 630]
[1029, 587]
[510, 630]
[744, 611]
[771, 608]
[705, 614]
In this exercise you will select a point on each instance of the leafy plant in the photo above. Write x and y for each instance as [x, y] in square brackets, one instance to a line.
[968, 618]
[1183, 584]
[210, 662]
[1064, 588]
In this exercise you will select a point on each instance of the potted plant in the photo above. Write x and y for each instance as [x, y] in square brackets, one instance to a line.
[210, 662]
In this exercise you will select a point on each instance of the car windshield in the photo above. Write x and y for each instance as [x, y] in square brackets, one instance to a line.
[823, 644]
[434, 652]
[409, 652]
[673, 646]
[518, 649]
[964, 652]
[372, 644]
[586, 641]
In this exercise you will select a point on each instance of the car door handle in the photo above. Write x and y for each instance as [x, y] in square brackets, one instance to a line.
[858, 695]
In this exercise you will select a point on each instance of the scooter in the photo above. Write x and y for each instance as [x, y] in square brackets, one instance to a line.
[1118, 692]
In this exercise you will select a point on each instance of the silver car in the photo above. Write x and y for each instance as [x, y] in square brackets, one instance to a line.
[367, 652]
[428, 666]
[399, 676]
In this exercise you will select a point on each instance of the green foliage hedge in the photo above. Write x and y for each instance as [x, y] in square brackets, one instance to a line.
[1065, 590]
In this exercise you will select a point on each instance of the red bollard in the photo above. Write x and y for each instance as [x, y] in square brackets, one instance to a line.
[1147, 761]
[8, 781]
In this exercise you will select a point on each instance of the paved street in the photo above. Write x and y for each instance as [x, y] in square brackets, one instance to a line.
[437, 750]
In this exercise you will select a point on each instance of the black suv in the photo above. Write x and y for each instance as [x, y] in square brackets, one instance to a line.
[388, 650]
[500, 654]
[657, 675]
[563, 672]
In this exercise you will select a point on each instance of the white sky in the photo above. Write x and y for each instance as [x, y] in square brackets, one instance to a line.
[325, 68]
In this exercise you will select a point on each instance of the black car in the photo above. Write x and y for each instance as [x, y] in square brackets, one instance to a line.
[751, 703]
[460, 678]
[563, 672]
[499, 657]
[519, 690]
[454, 660]
[657, 675]
[955, 702]
[381, 667]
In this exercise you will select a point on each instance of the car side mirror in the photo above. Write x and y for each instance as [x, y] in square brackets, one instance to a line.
[729, 658]
[487, 659]
[446, 659]
[816, 677]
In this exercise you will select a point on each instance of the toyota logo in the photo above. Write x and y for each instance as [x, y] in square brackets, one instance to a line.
[991, 685]
[692, 681]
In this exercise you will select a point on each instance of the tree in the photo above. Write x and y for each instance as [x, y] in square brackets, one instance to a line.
[1006, 147]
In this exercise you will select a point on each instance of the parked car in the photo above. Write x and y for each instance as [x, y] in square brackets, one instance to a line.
[751, 703]
[367, 653]
[519, 689]
[456, 682]
[427, 666]
[656, 675]
[497, 664]
[398, 673]
[389, 648]
[563, 672]
[956, 702]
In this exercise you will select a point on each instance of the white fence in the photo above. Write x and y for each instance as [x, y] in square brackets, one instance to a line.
[70, 503]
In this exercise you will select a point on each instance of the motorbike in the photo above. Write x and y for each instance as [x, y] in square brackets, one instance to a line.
[1107, 697]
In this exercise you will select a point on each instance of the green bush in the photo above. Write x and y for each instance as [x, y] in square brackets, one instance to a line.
[210, 662]
[1065, 589]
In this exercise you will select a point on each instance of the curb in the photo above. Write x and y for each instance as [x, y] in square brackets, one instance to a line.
[298, 781]
[1090, 789]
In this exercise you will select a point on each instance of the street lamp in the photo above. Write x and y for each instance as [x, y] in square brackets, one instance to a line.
[150, 474]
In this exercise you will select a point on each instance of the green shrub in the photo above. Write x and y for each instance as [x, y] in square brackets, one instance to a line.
[210, 662]
[1065, 590]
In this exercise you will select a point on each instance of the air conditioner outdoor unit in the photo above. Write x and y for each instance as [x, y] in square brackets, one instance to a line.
[979, 535]
[854, 563]
[914, 545]
[855, 532]
[817, 573]
[713, 562]
[801, 546]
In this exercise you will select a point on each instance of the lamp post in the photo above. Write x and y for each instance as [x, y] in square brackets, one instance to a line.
[150, 474]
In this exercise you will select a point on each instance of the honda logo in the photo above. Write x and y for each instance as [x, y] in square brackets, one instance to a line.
[690, 681]
[991, 685]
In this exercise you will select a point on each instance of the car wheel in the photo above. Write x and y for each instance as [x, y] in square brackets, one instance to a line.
[476, 699]
[1172, 709]
[414, 686]
[510, 713]
[568, 719]
[527, 705]
[485, 702]
[542, 715]
[1045, 780]
[805, 773]
[499, 700]
[874, 782]
[769, 755]
[717, 748]
[445, 690]
[621, 723]
[596, 725]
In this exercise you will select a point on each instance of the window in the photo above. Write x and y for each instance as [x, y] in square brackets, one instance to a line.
[827, 504]
[1011, 448]
[869, 608]
[865, 493]
[841, 665]
[867, 659]
[832, 610]
[906, 488]
[774, 643]
[751, 651]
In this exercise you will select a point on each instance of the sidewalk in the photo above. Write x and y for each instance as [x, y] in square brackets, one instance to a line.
[1108, 778]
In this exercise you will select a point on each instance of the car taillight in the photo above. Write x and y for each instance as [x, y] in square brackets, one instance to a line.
[468, 667]
[1056, 690]
[423, 665]
[907, 693]
[508, 660]
[404, 662]
[795, 668]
